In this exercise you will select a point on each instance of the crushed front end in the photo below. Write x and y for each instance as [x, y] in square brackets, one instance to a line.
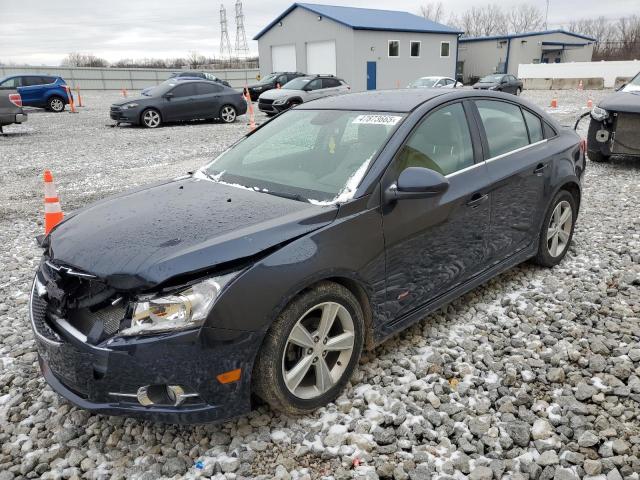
[172, 376]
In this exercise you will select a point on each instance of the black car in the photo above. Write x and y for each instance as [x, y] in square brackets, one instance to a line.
[271, 81]
[203, 75]
[614, 128]
[322, 232]
[181, 101]
[500, 82]
[11, 108]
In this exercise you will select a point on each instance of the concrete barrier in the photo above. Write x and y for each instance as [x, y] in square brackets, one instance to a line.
[609, 70]
[537, 83]
[573, 83]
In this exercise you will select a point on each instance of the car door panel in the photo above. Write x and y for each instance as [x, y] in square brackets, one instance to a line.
[435, 244]
[181, 105]
[207, 102]
[31, 91]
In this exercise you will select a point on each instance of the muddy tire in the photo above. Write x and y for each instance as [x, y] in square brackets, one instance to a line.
[311, 350]
[557, 230]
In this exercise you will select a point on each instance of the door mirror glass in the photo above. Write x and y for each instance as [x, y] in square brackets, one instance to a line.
[417, 182]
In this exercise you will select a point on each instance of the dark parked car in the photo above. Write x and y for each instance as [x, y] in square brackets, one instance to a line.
[202, 75]
[270, 82]
[614, 128]
[11, 108]
[322, 232]
[42, 91]
[181, 101]
[501, 83]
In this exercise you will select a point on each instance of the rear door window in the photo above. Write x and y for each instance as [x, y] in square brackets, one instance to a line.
[31, 81]
[184, 90]
[504, 126]
[330, 83]
[208, 88]
[534, 124]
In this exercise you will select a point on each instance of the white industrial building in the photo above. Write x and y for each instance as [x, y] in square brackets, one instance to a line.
[481, 56]
[370, 49]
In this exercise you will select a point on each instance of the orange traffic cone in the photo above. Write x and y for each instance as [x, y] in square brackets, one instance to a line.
[70, 95]
[589, 103]
[52, 211]
[580, 85]
[252, 121]
[79, 97]
[554, 103]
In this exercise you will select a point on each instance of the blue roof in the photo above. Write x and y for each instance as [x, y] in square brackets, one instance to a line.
[526, 34]
[368, 19]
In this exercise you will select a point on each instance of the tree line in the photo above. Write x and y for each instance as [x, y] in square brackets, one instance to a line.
[617, 39]
[194, 60]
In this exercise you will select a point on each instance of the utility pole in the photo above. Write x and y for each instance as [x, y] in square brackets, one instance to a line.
[546, 17]
[225, 44]
[242, 49]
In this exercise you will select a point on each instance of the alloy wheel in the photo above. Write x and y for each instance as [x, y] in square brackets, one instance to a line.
[318, 350]
[151, 118]
[57, 105]
[559, 229]
[228, 114]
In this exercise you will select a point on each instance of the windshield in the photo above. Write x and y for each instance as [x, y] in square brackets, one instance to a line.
[268, 78]
[296, 84]
[492, 79]
[633, 85]
[319, 156]
[423, 82]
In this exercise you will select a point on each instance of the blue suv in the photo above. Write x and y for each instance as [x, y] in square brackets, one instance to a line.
[43, 91]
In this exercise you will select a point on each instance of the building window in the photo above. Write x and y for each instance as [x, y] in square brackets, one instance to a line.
[415, 49]
[445, 49]
[394, 48]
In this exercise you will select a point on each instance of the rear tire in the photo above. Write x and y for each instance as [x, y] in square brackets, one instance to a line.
[228, 114]
[55, 104]
[310, 350]
[557, 230]
[151, 118]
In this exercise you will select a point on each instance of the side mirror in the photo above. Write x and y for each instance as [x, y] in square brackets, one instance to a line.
[416, 182]
[168, 95]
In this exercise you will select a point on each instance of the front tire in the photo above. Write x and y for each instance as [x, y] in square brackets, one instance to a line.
[55, 104]
[594, 152]
[557, 230]
[311, 350]
[228, 114]
[151, 118]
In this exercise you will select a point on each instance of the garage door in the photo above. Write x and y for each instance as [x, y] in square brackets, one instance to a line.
[283, 58]
[321, 57]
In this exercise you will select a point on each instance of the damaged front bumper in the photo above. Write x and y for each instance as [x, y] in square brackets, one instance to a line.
[109, 376]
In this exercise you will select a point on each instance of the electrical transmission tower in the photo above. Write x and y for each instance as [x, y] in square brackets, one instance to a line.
[242, 49]
[225, 44]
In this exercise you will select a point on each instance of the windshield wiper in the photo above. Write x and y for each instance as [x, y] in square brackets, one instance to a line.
[290, 196]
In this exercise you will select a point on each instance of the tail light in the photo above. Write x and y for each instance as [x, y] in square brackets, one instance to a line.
[16, 99]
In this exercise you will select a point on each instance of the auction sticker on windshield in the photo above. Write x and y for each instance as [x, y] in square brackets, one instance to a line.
[377, 119]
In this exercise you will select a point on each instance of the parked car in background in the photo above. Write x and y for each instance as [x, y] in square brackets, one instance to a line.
[180, 78]
[42, 91]
[500, 82]
[184, 100]
[202, 75]
[614, 128]
[300, 90]
[184, 300]
[271, 81]
[435, 82]
[11, 108]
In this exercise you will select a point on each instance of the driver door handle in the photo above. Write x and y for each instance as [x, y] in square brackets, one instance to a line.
[477, 199]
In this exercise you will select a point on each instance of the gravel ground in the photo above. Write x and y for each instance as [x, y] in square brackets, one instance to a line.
[534, 375]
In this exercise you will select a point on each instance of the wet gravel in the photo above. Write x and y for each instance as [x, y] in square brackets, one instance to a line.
[535, 375]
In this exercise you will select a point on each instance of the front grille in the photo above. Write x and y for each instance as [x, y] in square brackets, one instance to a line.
[626, 139]
[265, 101]
[39, 316]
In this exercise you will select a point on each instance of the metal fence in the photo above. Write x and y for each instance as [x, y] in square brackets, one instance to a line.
[89, 78]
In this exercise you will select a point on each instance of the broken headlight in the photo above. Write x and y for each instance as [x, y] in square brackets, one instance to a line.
[599, 114]
[178, 311]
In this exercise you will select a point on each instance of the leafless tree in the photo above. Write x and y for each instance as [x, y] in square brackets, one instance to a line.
[433, 11]
[524, 18]
[482, 21]
[615, 40]
[75, 59]
[194, 60]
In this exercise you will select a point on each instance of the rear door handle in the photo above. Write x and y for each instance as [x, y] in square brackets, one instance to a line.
[477, 199]
[540, 168]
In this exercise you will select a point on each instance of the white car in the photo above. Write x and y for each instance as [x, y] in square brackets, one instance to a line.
[435, 82]
[300, 90]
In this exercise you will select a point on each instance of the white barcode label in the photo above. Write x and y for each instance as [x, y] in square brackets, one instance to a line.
[373, 119]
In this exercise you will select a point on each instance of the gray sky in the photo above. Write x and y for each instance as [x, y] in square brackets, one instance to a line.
[41, 32]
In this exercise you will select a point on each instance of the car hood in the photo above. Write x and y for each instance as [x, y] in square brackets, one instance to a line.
[621, 102]
[276, 93]
[141, 99]
[142, 238]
